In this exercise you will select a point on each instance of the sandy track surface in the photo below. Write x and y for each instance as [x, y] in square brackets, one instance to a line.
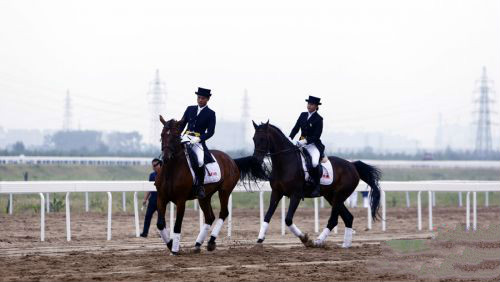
[90, 257]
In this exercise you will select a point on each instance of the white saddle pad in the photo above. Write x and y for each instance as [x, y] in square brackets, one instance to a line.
[327, 177]
[212, 173]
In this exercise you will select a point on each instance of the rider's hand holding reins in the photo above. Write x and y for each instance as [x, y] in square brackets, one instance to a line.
[195, 140]
[302, 142]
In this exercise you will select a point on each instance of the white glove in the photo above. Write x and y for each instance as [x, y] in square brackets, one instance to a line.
[195, 140]
[302, 142]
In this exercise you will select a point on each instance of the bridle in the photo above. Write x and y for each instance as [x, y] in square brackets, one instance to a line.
[269, 154]
[174, 154]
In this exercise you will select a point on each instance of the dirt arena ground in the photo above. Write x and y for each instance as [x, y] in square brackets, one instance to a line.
[447, 253]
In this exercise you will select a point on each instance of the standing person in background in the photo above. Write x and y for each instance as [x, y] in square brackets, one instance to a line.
[152, 197]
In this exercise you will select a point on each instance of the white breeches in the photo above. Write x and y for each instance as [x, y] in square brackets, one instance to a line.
[314, 152]
[198, 150]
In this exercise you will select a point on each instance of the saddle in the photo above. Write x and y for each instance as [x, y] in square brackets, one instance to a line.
[212, 168]
[327, 176]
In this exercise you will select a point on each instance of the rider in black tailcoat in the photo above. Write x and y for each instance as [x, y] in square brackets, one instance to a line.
[200, 121]
[310, 124]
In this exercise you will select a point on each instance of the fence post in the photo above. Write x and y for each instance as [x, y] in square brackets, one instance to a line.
[124, 201]
[486, 199]
[474, 211]
[419, 210]
[68, 217]
[42, 217]
[407, 199]
[467, 212]
[383, 210]
[283, 204]
[11, 203]
[430, 210]
[86, 201]
[460, 199]
[369, 215]
[110, 206]
[48, 202]
[136, 215]
[230, 216]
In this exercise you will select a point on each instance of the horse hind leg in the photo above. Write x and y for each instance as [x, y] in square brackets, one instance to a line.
[348, 218]
[223, 214]
[332, 222]
[209, 219]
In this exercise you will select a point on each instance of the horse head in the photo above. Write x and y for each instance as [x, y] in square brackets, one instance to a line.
[170, 138]
[261, 140]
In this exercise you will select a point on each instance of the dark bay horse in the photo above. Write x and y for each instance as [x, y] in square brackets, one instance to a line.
[174, 184]
[287, 179]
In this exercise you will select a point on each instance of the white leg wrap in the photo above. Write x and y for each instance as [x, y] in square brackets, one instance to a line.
[347, 238]
[295, 230]
[322, 237]
[176, 242]
[263, 229]
[165, 235]
[203, 233]
[218, 227]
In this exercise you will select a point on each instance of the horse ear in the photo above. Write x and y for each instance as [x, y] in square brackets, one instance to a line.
[266, 124]
[254, 125]
[163, 121]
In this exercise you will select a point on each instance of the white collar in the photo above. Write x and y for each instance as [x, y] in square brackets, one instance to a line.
[200, 109]
[310, 114]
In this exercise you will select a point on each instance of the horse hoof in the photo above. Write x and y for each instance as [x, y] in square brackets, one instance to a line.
[169, 245]
[304, 239]
[211, 246]
[310, 244]
[260, 241]
[197, 250]
[174, 253]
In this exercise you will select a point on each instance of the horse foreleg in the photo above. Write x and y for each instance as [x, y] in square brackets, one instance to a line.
[273, 204]
[161, 224]
[177, 227]
[294, 203]
[209, 219]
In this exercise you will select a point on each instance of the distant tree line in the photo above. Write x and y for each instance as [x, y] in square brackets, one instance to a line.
[129, 144]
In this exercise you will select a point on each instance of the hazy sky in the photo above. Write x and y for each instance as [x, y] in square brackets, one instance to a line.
[389, 66]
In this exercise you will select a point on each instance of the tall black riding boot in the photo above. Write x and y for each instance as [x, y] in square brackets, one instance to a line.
[200, 180]
[316, 176]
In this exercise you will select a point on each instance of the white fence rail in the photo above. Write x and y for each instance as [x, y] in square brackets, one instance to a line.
[68, 187]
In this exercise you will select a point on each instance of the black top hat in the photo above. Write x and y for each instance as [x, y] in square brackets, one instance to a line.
[203, 92]
[314, 100]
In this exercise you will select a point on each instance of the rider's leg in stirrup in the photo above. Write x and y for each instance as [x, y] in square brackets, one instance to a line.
[315, 169]
[199, 172]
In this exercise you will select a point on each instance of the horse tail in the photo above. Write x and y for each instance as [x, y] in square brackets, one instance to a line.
[251, 170]
[371, 175]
